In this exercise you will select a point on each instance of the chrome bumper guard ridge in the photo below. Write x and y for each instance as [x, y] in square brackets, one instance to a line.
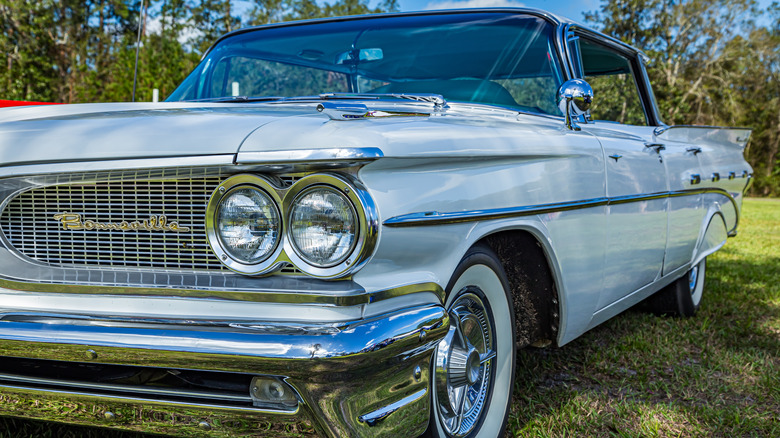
[364, 378]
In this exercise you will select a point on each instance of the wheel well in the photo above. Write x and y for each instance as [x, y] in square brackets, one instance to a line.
[534, 296]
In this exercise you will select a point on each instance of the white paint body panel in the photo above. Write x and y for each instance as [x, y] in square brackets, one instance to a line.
[466, 158]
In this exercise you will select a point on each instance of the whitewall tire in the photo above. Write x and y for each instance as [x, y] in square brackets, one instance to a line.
[473, 369]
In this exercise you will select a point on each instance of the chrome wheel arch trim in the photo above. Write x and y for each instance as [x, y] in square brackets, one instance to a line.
[710, 240]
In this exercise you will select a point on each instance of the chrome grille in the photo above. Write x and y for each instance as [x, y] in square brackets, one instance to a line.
[29, 226]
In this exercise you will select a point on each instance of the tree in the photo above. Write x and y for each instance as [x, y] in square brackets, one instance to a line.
[711, 65]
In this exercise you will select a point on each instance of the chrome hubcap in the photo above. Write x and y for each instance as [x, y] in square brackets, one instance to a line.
[692, 279]
[464, 366]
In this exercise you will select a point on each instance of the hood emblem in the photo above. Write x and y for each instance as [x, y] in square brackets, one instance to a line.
[74, 222]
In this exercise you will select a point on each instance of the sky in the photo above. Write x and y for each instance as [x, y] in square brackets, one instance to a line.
[568, 9]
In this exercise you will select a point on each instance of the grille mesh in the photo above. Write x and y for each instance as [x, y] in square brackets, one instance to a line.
[29, 225]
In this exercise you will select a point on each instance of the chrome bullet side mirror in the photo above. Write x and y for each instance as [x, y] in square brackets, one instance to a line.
[574, 99]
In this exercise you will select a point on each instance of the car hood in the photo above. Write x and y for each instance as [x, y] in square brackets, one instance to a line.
[119, 131]
[85, 132]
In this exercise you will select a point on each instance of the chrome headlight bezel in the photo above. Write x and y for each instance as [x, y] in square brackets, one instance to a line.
[269, 263]
[290, 233]
[367, 224]
[363, 206]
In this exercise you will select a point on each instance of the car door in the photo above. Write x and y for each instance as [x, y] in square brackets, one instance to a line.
[636, 175]
[686, 211]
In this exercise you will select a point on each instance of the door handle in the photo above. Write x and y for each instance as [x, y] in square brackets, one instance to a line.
[658, 147]
[694, 150]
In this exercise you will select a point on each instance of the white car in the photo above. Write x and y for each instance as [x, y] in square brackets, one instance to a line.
[356, 221]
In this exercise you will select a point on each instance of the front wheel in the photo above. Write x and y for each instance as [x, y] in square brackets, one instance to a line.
[473, 372]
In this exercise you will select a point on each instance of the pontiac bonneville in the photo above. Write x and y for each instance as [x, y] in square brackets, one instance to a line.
[353, 222]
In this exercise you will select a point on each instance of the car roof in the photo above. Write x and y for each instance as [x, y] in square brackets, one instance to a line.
[555, 19]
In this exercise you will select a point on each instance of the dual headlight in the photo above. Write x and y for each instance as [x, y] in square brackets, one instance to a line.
[324, 224]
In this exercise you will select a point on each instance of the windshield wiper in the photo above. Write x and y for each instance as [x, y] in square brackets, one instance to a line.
[436, 99]
[238, 99]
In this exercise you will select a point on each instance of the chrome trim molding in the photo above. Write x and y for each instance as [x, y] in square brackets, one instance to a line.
[309, 155]
[437, 218]
[348, 111]
[136, 391]
[117, 166]
[663, 128]
[286, 290]
[372, 418]
[152, 416]
[749, 182]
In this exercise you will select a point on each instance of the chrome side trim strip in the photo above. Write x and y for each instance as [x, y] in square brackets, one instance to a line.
[372, 418]
[437, 218]
[309, 155]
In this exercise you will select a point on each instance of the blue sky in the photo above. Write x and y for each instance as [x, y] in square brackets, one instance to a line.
[568, 9]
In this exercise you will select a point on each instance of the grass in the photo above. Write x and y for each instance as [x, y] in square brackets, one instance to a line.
[717, 374]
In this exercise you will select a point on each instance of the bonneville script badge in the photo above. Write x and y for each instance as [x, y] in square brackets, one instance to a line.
[73, 222]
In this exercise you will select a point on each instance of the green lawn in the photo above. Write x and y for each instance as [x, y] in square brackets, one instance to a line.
[717, 374]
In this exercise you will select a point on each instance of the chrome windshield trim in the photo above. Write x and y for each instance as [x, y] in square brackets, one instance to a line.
[553, 19]
[437, 218]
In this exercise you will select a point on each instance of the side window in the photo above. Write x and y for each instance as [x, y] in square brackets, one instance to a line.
[616, 96]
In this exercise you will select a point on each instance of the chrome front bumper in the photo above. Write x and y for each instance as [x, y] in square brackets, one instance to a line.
[364, 378]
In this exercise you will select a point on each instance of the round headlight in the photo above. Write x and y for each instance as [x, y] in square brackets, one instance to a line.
[323, 226]
[247, 225]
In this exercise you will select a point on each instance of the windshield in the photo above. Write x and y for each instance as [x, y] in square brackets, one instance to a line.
[490, 58]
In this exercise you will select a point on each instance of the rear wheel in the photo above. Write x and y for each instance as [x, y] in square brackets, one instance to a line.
[683, 296]
[474, 364]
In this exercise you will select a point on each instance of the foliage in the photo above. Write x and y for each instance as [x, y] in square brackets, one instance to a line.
[84, 50]
[711, 64]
